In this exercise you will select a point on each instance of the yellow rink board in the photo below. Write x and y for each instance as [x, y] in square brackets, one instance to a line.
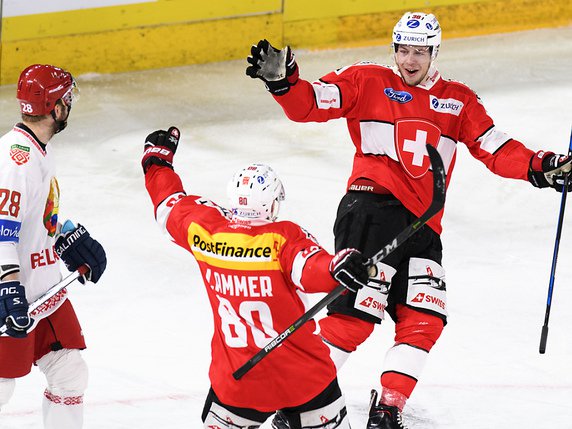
[167, 33]
[458, 18]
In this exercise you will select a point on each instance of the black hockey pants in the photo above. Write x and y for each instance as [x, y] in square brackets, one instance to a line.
[368, 222]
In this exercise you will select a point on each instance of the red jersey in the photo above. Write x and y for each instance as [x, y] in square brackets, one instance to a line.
[390, 123]
[253, 276]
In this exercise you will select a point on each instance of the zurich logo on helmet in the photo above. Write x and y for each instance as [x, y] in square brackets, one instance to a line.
[398, 37]
[429, 26]
[260, 179]
[413, 23]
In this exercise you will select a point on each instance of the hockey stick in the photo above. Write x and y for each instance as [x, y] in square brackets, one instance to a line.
[54, 290]
[437, 203]
[544, 334]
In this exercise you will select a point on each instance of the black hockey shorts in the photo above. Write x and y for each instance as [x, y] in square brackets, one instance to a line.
[368, 222]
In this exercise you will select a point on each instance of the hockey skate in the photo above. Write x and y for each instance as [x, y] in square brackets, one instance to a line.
[383, 416]
[279, 421]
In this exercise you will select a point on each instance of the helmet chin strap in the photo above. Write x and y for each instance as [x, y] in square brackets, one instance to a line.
[60, 124]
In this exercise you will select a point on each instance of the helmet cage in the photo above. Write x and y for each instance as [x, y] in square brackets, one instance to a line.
[71, 95]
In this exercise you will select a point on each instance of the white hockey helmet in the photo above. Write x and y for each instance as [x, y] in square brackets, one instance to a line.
[255, 193]
[418, 29]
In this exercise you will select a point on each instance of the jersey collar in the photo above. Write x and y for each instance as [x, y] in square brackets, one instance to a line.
[433, 76]
[31, 136]
[240, 221]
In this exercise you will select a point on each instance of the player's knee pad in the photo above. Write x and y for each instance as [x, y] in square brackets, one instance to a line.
[372, 299]
[417, 328]
[426, 289]
[331, 416]
[219, 417]
[7, 386]
[65, 371]
[345, 332]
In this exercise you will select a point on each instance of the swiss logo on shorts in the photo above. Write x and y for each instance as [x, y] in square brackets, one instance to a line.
[411, 137]
[20, 154]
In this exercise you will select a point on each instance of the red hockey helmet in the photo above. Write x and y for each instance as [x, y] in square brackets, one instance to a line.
[41, 86]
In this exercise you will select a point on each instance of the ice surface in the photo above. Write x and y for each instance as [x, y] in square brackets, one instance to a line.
[148, 322]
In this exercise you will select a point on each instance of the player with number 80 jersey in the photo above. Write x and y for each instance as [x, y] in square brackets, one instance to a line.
[254, 273]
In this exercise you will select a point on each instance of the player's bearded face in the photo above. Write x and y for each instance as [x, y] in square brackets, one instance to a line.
[413, 63]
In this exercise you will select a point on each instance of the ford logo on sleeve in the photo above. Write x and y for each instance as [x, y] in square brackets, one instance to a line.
[399, 96]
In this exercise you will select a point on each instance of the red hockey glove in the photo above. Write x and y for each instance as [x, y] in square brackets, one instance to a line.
[277, 68]
[348, 267]
[548, 169]
[160, 147]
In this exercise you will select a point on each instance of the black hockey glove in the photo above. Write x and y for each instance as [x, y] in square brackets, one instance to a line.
[160, 147]
[548, 169]
[14, 309]
[75, 247]
[277, 68]
[348, 267]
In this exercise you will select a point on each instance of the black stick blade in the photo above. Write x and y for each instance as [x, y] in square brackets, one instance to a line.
[543, 339]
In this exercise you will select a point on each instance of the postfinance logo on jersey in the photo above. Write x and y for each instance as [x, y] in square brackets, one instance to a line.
[233, 250]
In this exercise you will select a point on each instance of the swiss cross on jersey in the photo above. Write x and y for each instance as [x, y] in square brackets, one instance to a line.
[411, 137]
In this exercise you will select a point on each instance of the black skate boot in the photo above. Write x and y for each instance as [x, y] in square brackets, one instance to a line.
[279, 421]
[383, 416]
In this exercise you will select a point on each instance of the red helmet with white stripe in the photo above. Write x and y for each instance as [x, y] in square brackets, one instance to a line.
[41, 86]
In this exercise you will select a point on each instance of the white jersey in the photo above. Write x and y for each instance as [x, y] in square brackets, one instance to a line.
[29, 204]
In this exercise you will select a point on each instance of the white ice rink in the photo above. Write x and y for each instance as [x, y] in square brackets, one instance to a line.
[148, 322]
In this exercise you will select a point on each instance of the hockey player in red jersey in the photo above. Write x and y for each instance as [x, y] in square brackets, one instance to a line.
[254, 269]
[391, 114]
[31, 246]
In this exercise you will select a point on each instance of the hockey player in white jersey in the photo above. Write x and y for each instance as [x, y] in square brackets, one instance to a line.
[31, 246]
